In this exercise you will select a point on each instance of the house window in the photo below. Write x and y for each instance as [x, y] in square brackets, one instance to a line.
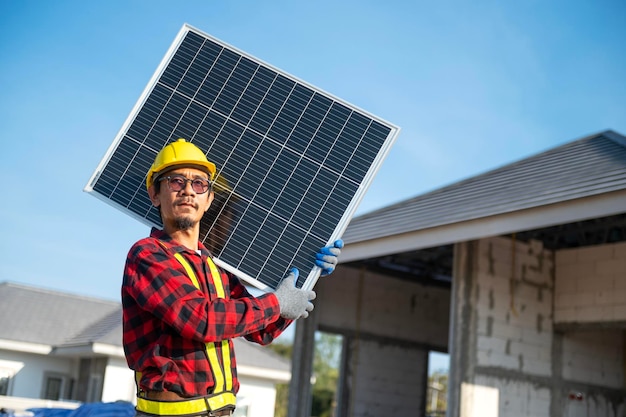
[5, 378]
[8, 370]
[90, 379]
[94, 393]
[53, 386]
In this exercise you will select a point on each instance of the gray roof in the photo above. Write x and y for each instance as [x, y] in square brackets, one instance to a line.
[46, 317]
[107, 330]
[57, 319]
[585, 167]
[252, 354]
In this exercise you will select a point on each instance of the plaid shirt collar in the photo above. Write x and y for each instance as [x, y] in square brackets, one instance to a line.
[176, 247]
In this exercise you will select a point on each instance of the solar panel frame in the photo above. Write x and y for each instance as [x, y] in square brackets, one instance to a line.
[260, 125]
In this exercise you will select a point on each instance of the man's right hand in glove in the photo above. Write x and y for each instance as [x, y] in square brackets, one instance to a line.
[294, 302]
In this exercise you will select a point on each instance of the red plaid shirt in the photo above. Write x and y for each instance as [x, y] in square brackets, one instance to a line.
[167, 320]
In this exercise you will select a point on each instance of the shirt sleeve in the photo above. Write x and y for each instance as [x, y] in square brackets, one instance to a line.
[159, 285]
[270, 332]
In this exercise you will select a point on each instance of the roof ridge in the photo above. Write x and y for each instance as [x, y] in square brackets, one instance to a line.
[610, 134]
[615, 137]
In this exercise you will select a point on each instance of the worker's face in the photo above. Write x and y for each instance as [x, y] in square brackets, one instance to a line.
[183, 209]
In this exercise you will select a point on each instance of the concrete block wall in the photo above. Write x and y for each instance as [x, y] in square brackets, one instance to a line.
[519, 398]
[506, 348]
[590, 284]
[594, 357]
[514, 306]
[369, 303]
[595, 405]
[390, 326]
[388, 380]
[513, 292]
[515, 398]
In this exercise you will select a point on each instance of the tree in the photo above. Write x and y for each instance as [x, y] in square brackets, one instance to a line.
[325, 371]
[282, 390]
[437, 393]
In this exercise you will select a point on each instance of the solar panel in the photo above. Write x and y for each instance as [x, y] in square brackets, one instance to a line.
[293, 161]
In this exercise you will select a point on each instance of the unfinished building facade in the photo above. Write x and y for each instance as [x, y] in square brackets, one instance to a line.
[519, 274]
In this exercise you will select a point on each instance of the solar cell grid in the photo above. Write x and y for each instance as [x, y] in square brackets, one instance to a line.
[293, 161]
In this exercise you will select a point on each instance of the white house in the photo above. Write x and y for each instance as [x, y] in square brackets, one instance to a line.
[62, 347]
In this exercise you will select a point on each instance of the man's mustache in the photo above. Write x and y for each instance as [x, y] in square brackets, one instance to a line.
[186, 201]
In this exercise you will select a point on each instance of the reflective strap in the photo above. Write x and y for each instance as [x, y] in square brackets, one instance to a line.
[217, 278]
[190, 273]
[186, 407]
[219, 288]
[222, 400]
[228, 374]
[223, 377]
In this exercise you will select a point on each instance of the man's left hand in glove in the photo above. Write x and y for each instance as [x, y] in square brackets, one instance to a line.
[327, 257]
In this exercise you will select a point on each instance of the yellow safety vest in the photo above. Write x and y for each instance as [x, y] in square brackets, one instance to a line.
[223, 395]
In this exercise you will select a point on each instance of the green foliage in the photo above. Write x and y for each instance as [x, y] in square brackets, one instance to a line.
[282, 348]
[322, 402]
[326, 361]
[282, 390]
[325, 370]
[282, 400]
[437, 393]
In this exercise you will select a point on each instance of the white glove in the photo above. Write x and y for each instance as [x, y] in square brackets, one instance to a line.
[295, 303]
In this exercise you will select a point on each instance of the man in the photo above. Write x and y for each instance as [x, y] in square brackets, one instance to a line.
[181, 312]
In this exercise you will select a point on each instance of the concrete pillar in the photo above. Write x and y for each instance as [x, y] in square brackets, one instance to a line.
[462, 331]
[302, 367]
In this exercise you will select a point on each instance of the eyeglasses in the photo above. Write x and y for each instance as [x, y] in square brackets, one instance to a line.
[178, 182]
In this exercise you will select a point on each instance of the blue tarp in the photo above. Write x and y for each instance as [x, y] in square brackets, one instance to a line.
[116, 409]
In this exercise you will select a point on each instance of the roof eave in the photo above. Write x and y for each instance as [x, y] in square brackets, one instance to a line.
[90, 349]
[25, 347]
[533, 218]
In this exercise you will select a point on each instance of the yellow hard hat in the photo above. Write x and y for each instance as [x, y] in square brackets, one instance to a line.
[176, 153]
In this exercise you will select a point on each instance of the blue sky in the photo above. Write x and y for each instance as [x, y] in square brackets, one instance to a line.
[473, 86]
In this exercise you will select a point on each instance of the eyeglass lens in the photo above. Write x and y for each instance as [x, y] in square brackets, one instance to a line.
[198, 185]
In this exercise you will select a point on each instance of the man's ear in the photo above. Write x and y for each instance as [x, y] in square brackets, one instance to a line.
[154, 196]
[210, 197]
